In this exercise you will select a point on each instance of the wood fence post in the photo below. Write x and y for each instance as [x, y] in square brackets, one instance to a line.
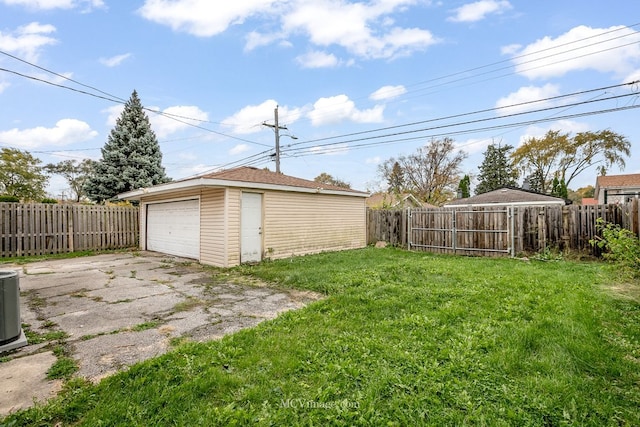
[69, 217]
[566, 232]
[635, 219]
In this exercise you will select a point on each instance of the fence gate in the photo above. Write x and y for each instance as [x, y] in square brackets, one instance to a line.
[479, 231]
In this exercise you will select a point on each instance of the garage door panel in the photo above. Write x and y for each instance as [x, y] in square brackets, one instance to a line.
[174, 228]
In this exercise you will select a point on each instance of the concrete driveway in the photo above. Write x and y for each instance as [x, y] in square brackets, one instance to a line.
[119, 309]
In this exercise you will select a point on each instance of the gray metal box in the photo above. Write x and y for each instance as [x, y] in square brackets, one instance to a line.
[10, 326]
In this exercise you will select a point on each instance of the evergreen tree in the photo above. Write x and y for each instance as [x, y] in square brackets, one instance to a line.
[496, 170]
[559, 188]
[395, 180]
[131, 158]
[464, 188]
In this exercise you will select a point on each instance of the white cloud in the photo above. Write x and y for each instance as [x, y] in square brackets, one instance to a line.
[113, 113]
[373, 160]
[256, 39]
[362, 29]
[633, 77]
[565, 126]
[3, 86]
[203, 18]
[65, 132]
[333, 150]
[388, 92]
[365, 29]
[581, 48]
[525, 95]
[239, 149]
[54, 4]
[317, 59]
[474, 145]
[193, 170]
[78, 155]
[27, 40]
[479, 10]
[510, 49]
[114, 61]
[250, 118]
[164, 125]
[339, 108]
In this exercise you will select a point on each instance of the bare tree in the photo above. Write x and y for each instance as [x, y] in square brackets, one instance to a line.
[431, 173]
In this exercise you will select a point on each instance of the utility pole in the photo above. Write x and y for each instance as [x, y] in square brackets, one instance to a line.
[276, 127]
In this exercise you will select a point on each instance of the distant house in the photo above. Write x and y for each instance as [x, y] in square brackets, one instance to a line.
[509, 196]
[395, 201]
[247, 214]
[617, 188]
[587, 201]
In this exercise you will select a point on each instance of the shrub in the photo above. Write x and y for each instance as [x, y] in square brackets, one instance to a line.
[49, 200]
[9, 199]
[621, 245]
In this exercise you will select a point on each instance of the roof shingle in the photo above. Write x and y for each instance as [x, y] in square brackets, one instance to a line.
[265, 176]
[505, 196]
[629, 180]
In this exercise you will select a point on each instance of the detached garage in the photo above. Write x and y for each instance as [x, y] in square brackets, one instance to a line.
[248, 214]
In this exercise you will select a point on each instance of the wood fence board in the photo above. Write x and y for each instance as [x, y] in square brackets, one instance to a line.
[41, 229]
[535, 228]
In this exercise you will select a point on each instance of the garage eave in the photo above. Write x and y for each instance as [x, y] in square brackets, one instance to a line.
[219, 183]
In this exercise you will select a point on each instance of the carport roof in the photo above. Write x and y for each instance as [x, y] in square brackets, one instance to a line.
[244, 177]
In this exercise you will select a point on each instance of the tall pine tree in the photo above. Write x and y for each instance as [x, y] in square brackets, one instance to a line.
[496, 170]
[131, 158]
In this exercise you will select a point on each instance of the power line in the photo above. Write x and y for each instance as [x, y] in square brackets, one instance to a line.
[112, 98]
[525, 62]
[456, 116]
[467, 131]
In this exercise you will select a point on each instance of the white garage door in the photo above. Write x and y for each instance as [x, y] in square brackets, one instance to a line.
[174, 228]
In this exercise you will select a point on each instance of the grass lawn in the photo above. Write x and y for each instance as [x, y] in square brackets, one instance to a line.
[401, 339]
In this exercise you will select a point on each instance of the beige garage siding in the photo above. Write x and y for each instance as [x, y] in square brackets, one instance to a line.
[234, 197]
[213, 227]
[299, 224]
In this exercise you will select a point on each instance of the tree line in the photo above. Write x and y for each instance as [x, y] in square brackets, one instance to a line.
[547, 165]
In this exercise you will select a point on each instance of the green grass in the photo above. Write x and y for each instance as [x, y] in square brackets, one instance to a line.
[63, 368]
[401, 339]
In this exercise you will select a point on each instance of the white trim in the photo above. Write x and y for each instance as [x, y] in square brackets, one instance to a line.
[207, 182]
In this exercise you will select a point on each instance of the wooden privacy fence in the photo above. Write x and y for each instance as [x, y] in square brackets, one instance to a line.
[499, 230]
[41, 229]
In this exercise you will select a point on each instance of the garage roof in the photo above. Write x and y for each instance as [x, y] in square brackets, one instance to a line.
[506, 197]
[244, 177]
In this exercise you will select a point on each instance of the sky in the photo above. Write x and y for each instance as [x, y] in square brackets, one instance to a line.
[355, 82]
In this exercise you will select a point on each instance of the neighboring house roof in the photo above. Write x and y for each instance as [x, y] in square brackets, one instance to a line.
[617, 181]
[586, 201]
[509, 196]
[390, 200]
[244, 177]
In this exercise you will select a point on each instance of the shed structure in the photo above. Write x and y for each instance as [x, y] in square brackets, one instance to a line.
[248, 214]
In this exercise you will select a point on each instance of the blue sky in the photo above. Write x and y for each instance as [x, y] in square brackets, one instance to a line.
[347, 76]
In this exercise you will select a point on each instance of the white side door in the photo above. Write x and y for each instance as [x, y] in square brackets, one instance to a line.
[251, 228]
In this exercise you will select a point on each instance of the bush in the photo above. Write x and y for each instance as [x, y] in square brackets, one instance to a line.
[49, 200]
[9, 199]
[621, 245]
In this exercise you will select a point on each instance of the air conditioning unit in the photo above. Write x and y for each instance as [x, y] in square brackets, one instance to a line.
[11, 334]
